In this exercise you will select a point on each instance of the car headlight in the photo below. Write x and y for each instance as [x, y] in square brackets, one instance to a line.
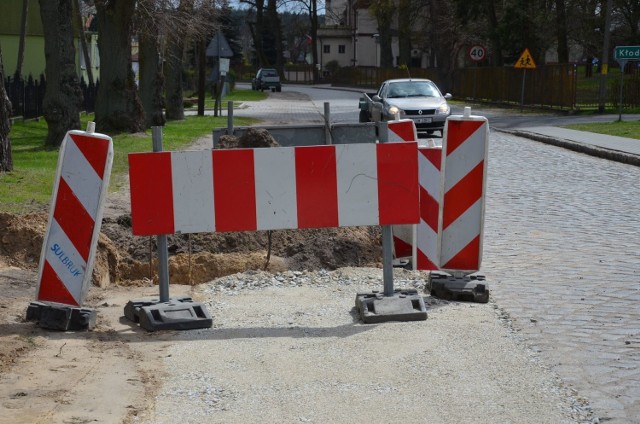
[394, 110]
[444, 109]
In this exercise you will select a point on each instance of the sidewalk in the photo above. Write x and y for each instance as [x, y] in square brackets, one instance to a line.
[620, 149]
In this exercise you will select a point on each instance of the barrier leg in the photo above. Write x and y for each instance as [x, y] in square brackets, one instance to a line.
[165, 313]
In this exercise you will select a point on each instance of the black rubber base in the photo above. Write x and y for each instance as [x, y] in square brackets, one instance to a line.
[61, 317]
[403, 305]
[471, 288]
[180, 313]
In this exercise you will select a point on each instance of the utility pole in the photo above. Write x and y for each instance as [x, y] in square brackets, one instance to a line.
[604, 62]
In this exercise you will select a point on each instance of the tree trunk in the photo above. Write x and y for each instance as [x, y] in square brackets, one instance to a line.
[23, 36]
[173, 74]
[561, 25]
[151, 77]
[83, 41]
[118, 107]
[383, 11]
[404, 31]
[173, 67]
[6, 161]
[314, 38]
[496, 43]
[202, 68]
[63, 96]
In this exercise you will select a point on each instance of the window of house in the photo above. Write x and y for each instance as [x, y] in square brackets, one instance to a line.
[342, 48]
[327, 48]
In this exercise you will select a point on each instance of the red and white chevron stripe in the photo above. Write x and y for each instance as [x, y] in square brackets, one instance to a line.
[82, 179]
[277, 188]
[465, 150]
[426, 238]
[397, 131]
[401, 130]
[429, 164]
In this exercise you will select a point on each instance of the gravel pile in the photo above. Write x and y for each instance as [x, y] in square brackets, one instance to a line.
[290, 348]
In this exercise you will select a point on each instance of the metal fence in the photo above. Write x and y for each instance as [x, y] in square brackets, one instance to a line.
[27, 96]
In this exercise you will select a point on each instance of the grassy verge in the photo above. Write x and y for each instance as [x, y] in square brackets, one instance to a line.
[629, 129]
[28, 187]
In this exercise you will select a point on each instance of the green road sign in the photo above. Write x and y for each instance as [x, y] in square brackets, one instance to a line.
[627, 53]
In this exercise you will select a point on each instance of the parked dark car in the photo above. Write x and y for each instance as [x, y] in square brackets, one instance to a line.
[266, 79]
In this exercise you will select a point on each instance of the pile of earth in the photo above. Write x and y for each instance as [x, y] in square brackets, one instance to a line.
[125, 259]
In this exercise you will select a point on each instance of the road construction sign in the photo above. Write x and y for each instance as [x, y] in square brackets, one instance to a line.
[75, 217]
[525, 61]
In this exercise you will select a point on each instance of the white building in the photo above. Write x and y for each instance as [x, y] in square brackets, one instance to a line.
[350, 36]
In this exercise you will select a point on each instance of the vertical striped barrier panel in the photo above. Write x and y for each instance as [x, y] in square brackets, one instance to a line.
[75, 217]
[401, 131]
[429, 165]
[277, 188]
[425, 240]
[464, 169]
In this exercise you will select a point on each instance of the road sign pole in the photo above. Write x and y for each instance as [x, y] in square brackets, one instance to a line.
[524, 76]
[622, 64]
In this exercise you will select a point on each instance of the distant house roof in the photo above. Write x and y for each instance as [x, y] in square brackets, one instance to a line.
[219, 47]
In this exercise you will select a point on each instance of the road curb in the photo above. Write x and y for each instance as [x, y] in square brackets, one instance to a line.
[588, 149]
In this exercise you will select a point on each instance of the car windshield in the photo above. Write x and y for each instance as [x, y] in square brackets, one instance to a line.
[412, 89]
[269, 73]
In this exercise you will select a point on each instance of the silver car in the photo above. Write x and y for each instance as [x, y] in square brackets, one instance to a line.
[417, 99]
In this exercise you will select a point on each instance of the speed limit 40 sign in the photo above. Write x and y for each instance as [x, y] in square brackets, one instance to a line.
[477, 53]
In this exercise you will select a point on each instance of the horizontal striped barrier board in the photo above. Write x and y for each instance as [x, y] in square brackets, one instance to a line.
[274, 188]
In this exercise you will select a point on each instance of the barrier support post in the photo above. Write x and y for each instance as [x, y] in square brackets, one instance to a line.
[393, 304]
[165, 313]
[163, 255]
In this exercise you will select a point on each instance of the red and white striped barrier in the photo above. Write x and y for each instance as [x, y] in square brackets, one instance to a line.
[75, 217]
[429, 165]
[277, 188]
[464, 167]
[401, 130]
[425, 239]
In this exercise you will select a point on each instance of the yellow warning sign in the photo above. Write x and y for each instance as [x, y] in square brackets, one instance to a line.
[525, 61]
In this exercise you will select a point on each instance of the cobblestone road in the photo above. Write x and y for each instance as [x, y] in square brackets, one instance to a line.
[562, 254]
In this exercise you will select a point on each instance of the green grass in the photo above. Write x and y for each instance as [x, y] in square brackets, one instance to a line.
[28, 187]
[629, 129]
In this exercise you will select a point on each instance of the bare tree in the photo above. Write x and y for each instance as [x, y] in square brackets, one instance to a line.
[63, 96]
[174, 52]
[6, 161]
[118, 107]
[257, 31]
[384, 11]
[23, 36]
[150, 18]
[83, 40]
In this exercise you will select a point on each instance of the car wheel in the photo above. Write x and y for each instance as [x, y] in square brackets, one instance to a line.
[364, 116]
[278, 89]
